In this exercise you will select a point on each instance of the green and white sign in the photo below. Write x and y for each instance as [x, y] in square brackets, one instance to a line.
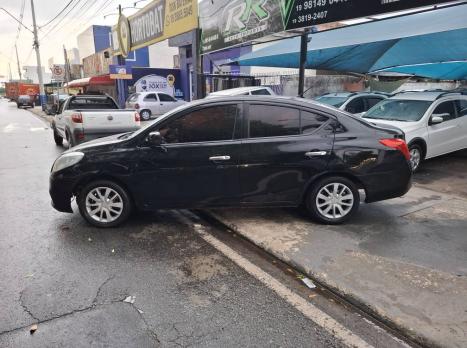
[226, 23]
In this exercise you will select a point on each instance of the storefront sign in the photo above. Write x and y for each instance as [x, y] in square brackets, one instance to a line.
[120, 72]
[157, 80]
[156, 22]
[225, 23]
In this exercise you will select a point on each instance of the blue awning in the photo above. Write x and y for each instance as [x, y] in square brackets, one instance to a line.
[421, 44]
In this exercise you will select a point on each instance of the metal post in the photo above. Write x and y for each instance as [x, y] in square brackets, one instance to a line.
[38, 56]
[17, 61]
[303, 56]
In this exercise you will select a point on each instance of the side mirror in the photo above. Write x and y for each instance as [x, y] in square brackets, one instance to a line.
[155, 139]
[438, 118]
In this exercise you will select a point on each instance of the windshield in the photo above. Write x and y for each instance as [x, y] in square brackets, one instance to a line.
[333, 101]
[399, 110]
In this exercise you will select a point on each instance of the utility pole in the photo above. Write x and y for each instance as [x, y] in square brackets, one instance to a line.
[9, 70]
[67, 68]
[303, 54]
[38, 56]
[17, 61]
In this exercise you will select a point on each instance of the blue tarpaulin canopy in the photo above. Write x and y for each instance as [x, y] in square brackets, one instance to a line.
[430, 44]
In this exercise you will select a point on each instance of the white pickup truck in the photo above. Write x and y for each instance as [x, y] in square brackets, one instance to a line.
[82, 118]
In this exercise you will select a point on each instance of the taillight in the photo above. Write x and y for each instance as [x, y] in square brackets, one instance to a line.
[77, 117]
[137, 118]
[137, 106]
[397, 144]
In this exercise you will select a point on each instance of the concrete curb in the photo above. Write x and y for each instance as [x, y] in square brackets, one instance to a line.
[353, 299]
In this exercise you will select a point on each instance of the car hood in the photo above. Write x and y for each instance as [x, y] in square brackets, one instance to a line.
[110, 140]
[405, 126]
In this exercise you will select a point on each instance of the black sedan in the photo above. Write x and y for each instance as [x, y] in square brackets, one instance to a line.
[245, 151]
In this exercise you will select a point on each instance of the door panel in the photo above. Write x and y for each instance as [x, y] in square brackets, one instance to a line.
[444, 137]
[197, 166]
[275, 169]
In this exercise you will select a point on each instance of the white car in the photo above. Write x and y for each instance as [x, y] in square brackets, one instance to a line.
[353, 102]
[150, 104]
[253, 90]
[434, 122]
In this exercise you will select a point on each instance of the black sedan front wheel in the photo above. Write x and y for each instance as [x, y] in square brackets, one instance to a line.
[333, 200]
[104, 203]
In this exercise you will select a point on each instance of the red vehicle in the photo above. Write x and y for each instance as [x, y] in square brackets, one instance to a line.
[14, 89]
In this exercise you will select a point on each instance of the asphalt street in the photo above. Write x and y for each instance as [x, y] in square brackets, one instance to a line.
[72, 279]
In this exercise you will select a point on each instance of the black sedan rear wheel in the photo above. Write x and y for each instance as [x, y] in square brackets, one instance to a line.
[104, 203]
[333, 200]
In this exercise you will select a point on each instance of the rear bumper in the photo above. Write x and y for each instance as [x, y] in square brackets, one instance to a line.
[79, 138]
[387, 185]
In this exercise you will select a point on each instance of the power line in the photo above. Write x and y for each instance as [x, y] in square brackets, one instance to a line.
[60, 20]
[58, 14]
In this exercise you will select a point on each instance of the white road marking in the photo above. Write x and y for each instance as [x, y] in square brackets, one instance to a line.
[306, 308]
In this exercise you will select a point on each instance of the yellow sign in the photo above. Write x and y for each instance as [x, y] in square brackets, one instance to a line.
[158, 21]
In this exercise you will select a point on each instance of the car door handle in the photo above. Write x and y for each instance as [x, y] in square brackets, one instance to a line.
[219, 158]
[315, 153]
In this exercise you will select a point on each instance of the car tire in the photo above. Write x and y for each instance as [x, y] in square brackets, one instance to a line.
[332, 200]
[104, 204]
[69, 140]
[416, 156]
[57, 138]
[145, 115]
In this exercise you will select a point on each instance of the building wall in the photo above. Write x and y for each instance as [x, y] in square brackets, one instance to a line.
[86, 42]
[30, 73]
[101, 34]
[161, 55]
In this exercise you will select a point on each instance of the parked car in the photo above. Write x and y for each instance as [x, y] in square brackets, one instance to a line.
[353, 102]
[236, 151]
[82, 118]
[253, 90]
[151, 104]
[434, 122]
[53, 103]
[25, 101]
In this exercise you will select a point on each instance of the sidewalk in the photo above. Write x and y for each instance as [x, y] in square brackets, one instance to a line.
[405, 260]
[38, 112]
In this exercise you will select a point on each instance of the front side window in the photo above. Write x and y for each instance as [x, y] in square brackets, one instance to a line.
[461, 107]
[151, 97]
[404, 110]
[355, 106]
[445, 110]
[215, 123]
[132, 98]
[273, 121]
[166, 98]
[262, 91]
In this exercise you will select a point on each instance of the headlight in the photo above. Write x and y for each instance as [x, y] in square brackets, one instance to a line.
[67, 160]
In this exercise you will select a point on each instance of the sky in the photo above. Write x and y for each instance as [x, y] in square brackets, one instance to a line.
[84, 14]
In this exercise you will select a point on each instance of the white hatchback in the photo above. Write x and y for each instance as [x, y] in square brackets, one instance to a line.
[434, 122]
[150, 104]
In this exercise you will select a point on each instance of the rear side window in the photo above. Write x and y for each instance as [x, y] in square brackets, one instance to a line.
[262, 91]
[273, 121]
[214, 123]
[311, 122]
[446, 109]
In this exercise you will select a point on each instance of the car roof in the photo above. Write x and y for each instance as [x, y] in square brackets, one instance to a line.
[424, 95]
[238, 90]
[351, 94]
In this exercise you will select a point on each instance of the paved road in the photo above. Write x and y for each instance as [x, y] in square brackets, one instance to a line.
[189, 288]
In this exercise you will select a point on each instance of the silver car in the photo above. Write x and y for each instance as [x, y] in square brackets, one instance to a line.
[151, 104]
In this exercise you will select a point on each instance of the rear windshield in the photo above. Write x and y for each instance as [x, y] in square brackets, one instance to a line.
[399, 110]
[89, 103]
[333, 101]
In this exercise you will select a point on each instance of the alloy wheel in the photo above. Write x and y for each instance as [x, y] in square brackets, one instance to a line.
[104, 204]
[415, 157]
[334, 201]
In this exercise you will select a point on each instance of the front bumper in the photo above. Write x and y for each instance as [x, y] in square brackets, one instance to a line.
[61, 192]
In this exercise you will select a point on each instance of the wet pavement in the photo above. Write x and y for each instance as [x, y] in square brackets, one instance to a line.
[72, 278]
